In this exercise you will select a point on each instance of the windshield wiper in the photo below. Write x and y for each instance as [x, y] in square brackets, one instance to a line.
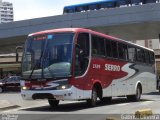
[36, 65]
[33, 70]
[41, 60]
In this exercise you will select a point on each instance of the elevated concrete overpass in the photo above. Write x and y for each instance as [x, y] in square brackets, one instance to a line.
[129, 23]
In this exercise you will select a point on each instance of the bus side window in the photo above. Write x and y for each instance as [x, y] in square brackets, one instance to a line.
[122, 51]
[82, 54]
[152, 58]
[108, 48]
[140, 55]
[131, 53]
[146, 56]
[83, 41]
[125, 50]
[114, 49]
[143, 55]
[98, 48]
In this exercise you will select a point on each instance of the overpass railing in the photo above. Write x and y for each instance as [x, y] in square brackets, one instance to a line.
[105, 4]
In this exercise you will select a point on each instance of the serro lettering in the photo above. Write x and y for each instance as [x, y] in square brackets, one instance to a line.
[110, 67]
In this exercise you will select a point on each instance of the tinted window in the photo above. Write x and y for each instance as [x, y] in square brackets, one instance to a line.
[114, 49]
[131, 53]
[69, 10]
[149, 1]
[152, 59]
[147, 59]
[135, 1]
[140, 55]
[122, 2]
[81, 8]
[108, 48]
[98, 46]
[18, 78]
[83, 41]
[82, 54]
[93, 7]
[9, 79]
[110, 4]
[14, 78]
[122, 51]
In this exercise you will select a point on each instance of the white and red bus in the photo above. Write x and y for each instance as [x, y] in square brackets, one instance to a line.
[81, 64]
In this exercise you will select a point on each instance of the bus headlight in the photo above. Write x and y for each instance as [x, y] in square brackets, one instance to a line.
[25, 88]
[1, 83]
[63, 87]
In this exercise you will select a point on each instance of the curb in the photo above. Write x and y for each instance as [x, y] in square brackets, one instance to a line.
[143, 113]
[112, 118]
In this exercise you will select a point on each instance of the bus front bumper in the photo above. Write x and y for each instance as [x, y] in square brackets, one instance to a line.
[67, 94]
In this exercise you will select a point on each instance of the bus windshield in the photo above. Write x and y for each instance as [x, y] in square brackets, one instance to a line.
[48, 56]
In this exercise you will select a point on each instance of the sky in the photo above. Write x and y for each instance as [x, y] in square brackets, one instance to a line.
[29, 9]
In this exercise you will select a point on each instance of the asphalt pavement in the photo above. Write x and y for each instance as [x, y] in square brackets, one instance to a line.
[13, 104]
[12, 100]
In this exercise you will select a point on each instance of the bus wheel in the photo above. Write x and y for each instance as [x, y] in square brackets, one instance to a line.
[138, 93]
[137, 96]
[1, 90]
[93, 101]
[53, 103]
[159, 89]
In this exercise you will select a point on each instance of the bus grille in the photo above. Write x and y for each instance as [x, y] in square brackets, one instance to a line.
[43, 96]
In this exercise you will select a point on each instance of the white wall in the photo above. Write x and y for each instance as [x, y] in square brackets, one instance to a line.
[140, 42]
[155, 44]
[152, 43]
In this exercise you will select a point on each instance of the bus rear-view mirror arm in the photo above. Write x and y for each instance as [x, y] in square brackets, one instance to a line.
[17, 55]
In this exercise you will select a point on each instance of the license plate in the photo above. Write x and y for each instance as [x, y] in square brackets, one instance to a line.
[58, 97]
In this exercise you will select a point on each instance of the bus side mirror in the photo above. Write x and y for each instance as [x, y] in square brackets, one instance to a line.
[17, 55]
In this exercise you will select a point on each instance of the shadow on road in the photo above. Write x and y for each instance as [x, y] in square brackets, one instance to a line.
[10, 92]
[69, 107]
[153, 93]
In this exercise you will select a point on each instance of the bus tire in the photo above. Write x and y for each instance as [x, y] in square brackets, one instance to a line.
[93, 101]
[1, 89]
[53, 103]
[159, 89]
[137, 96]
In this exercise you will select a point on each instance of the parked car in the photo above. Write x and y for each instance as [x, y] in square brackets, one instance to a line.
[11, 83]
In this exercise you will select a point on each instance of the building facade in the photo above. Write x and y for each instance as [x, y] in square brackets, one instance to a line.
[152, 43]
[6, 12]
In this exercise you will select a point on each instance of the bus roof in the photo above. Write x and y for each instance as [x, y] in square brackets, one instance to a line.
[71, 6]
[72, 30]
[87, 31]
